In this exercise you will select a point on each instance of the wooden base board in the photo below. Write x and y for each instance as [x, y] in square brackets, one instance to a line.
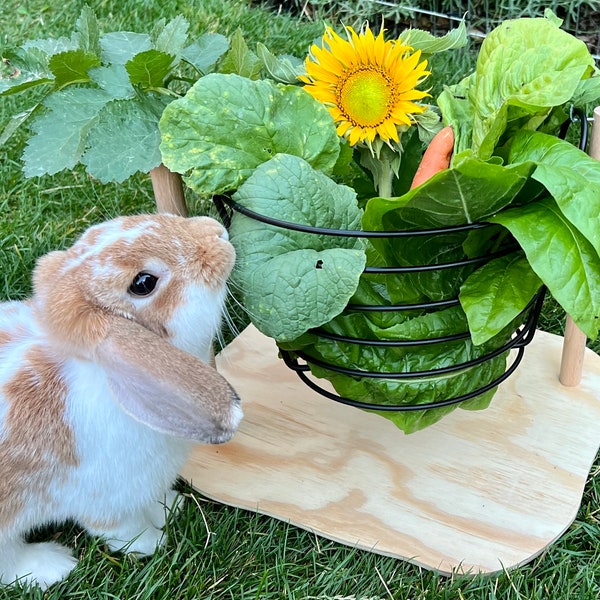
[477, 492]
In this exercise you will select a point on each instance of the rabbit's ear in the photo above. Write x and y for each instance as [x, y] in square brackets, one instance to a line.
[166, 388]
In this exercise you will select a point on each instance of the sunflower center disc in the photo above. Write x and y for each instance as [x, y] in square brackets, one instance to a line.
[364, 97]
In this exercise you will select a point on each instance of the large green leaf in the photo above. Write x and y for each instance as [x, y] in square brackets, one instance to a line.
[496, 293]
[524, 67]
[569, 174]
[227, 125]
[124, 140]
[291, 280]
[466, 193]
[561, 257]
[60, 133]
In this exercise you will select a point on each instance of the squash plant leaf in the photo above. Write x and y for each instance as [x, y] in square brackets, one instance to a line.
[59, 138]
[123, 140]
[227, 125]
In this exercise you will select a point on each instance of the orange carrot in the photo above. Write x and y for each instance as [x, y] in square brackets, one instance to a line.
[436, 157]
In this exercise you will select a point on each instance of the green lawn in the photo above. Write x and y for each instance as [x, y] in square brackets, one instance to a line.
[214, 551]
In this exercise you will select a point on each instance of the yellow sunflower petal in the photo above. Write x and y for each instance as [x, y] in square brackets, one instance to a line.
[367, 83]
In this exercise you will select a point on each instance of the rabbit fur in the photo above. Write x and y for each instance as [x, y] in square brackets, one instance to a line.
[105, 386]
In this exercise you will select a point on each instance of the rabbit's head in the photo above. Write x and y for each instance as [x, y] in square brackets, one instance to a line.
[143, 296]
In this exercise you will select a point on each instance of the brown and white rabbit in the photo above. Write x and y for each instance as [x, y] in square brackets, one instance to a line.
[104, 386]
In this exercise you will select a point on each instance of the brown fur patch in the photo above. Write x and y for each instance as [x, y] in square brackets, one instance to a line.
[38, 443]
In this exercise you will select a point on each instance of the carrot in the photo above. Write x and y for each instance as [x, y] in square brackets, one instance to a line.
[436, 157]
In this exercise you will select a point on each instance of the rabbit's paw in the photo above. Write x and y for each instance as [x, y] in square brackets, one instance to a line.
[42, 564]
[142, 540]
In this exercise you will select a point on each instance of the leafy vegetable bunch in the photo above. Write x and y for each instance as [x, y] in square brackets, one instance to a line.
[334, 142]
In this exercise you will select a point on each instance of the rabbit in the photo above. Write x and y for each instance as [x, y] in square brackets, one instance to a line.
[105, 386]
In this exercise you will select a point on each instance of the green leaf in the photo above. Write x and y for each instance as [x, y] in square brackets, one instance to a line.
[72, 67]
[561, 257]
[291, 280]
[121, 46]
[466, 193]
[87, 33]
[283, 69]
[173, 36]
[149, 68]
[569, 174]
[430, 44]
[60, 134]
[124, 140]
[227, 125]
[15, 122]
[205, 51]
[114, 80]
[525, 67]
[24, 69]
[496, 293]
[240, 60]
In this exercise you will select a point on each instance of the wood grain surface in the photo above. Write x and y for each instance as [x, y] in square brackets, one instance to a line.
[477, 492]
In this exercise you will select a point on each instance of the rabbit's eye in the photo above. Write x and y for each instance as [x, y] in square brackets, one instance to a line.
[143, 284]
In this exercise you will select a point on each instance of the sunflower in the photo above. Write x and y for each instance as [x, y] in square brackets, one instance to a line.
[367, 83]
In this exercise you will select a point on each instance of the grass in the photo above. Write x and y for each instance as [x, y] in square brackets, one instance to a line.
[215, 551]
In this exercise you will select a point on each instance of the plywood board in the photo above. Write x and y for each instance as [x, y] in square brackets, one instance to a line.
[477, 492]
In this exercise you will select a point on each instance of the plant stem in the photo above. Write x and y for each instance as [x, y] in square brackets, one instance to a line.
[385, 176]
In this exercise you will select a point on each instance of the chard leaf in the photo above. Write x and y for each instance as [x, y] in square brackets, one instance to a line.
[291, 280]
[561, 257]
[496, 293]
[205, 51]
[121, 46]
[72, 66]
[467, 193]
[529, 64]
[59, 138]
[124, 139]
[569, 174]
[227, 125]
[149, 68]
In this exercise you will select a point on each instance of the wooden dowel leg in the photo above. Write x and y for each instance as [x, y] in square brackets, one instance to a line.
[168, 191]
[573, 352]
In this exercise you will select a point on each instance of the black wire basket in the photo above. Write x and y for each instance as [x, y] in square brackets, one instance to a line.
[301, 362]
